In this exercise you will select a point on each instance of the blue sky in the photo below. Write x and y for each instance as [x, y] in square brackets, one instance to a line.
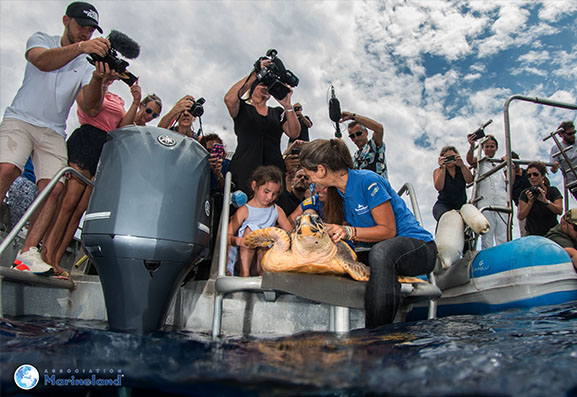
[430, 71]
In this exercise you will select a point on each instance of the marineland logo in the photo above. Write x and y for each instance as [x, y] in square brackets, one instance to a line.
[166, 140]
[26, 377]
[361, 209]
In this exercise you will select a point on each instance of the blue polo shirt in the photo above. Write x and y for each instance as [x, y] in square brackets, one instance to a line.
[313, 203]
[366, 190]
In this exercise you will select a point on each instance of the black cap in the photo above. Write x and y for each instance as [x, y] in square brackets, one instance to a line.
[84, 13]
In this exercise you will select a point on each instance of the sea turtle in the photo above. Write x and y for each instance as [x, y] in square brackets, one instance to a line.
[308, 249]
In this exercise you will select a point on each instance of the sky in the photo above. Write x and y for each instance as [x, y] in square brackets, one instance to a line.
[430, 71]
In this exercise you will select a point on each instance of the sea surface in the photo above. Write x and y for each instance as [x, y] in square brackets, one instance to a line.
[529, 352]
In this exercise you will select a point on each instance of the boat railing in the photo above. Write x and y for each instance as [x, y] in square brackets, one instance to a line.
[38, 202]
[508, 148]
[568, 187]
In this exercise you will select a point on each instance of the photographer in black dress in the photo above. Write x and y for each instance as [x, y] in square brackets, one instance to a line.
[259, 127]
[450, 180]
[541, 203]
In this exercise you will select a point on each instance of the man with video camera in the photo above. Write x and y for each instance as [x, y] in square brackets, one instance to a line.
[184, 113]
[35, 123]
[259, 127]
[567, 139]
[371, 153]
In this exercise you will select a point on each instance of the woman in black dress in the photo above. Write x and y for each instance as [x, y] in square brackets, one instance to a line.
[541, 203]
[258, 127]
[450, 180]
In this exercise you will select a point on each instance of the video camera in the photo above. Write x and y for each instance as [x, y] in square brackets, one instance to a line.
[275, 75]
[119, 42]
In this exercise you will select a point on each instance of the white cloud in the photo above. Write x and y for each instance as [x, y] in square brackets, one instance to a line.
[399, 62]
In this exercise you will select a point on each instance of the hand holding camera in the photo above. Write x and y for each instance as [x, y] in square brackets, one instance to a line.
[215, 158]
[271, 72]
[536, 193]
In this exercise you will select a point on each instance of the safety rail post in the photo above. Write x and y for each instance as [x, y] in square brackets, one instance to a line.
[38, 201]
[408, 188]
[218, 297]
[508, 149]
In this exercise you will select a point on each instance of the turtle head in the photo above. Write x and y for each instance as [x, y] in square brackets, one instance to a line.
[310, 225]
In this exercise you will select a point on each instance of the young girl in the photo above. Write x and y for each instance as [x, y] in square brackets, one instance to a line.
[258, 213]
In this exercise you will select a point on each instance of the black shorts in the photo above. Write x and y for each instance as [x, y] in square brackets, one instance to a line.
[85, 146]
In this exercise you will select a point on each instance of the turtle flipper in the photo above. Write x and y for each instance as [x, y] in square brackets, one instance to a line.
[265, 237]
[357, 270]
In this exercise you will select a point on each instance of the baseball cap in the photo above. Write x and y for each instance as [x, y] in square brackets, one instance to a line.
[84, 13]
[571, 216]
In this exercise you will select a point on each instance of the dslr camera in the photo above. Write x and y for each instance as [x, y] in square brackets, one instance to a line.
[480, 133]
[119, 42]
[275, 75]
[534, 191]
[197, 110]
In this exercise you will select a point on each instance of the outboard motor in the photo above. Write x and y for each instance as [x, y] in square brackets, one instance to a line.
[147, 224]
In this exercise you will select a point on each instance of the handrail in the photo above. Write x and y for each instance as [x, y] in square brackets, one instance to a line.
[222, 249]
[408, 188]
[38, 201]
[508, 143]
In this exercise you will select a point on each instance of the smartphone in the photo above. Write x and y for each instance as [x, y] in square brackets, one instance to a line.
[217, 149]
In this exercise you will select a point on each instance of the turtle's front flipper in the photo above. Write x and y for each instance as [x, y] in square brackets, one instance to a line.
[268, 235]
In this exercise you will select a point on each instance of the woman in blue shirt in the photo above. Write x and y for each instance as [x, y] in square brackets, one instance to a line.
[374, 214]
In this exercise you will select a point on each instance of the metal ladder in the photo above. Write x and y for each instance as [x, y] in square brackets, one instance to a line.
[571, 168]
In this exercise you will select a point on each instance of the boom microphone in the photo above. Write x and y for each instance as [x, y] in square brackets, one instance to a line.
[335, 112]
[124, 44]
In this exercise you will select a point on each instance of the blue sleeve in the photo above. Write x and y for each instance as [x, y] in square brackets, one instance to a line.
[375, 190]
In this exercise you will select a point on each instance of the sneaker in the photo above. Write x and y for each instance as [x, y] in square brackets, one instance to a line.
[31, 261]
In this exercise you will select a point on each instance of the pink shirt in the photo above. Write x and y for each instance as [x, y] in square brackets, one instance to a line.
[111, 112]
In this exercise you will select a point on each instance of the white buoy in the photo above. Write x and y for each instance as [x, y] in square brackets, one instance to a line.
[450, 238]
[475, 219]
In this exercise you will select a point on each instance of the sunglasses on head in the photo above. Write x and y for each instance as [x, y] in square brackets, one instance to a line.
[150, 111]
[358, 133]
[530, 174]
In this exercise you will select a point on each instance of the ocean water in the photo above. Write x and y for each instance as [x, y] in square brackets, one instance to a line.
[513, 353]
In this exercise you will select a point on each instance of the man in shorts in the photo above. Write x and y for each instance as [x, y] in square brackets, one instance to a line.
[35, 123]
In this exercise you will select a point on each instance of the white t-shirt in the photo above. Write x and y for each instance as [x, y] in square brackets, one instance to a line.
[493, 188]
[45, 98]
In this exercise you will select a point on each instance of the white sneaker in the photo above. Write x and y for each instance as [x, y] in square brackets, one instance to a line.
[31, 261]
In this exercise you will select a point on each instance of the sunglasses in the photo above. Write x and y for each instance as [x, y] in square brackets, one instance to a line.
[530, 174]
[298, 108]
[150, 111]
[358, 133]
[570, 133]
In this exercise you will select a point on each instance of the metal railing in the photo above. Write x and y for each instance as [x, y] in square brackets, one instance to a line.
[38, 202]
[508, 149]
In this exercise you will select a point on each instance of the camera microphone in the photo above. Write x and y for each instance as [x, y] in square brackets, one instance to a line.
[124, 44]
[335, 112]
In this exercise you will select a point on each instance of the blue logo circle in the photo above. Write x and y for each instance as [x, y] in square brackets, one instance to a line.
[26, 377]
